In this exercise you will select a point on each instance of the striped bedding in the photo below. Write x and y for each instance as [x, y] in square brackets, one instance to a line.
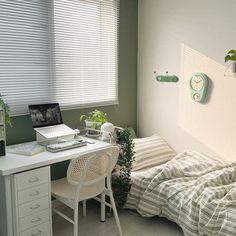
[193, 190]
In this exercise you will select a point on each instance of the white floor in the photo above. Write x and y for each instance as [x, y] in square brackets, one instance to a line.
[132, 225]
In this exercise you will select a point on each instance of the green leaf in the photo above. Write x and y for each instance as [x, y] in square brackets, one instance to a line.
[232, 52]
[233, 57]
[227, 58]
[82, 117]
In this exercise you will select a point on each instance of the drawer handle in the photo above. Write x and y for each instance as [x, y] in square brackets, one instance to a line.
[35, 207]
[36, 233]
[35, 220]
[34, 194]
[33, 180]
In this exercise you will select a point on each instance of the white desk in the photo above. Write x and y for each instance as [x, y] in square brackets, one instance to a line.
[12, 164]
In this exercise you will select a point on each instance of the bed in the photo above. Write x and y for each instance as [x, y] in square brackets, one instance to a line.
[195, 190]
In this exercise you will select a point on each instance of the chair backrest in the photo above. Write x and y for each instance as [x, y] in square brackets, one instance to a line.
[89, 169]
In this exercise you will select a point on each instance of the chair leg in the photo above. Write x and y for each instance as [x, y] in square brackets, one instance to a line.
[76, 214]
[115, 212]
[103, 208]
[84, 208]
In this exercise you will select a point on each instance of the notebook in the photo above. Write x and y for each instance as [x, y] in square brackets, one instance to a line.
[47, 120]
[27, 149]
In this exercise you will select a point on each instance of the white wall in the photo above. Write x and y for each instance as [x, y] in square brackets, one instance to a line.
[207, 26]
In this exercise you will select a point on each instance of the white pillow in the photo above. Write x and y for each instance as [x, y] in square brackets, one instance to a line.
[151, 151]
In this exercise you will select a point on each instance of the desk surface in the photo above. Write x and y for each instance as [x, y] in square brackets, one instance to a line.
[13, 163]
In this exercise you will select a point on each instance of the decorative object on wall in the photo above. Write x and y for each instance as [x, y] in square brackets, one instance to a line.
[198, 87]
[231, 67]
[166, 78]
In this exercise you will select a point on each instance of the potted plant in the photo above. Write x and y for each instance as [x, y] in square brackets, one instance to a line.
[121, 181]
[6, 108]
[231, 56]
[94, 119]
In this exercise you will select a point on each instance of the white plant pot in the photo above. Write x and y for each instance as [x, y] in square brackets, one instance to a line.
[233, 67]
[92, 125]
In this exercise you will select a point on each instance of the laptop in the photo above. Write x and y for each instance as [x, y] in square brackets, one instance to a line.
[47, 121]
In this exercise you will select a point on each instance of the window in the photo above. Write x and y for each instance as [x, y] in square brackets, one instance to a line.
[59, 51]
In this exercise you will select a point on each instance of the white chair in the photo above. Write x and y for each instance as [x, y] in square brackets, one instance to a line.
[87, 177]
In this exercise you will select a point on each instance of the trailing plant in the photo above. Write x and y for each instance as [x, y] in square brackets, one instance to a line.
[231, 56]
[121, 175]
[6, 108]
[95, 116]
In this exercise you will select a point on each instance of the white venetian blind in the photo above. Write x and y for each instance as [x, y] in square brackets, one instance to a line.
[24, 53]
[62, 51]
[86, 52]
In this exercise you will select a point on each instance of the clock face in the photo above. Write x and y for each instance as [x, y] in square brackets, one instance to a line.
[197, 83]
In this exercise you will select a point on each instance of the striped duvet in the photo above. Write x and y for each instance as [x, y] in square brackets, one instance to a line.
[194, 190]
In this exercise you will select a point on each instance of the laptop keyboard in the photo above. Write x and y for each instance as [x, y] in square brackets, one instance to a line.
[65, 145]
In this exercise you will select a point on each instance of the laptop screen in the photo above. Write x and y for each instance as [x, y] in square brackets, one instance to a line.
[45, 115]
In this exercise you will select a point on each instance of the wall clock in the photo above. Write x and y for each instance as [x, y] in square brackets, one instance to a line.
[198, 87]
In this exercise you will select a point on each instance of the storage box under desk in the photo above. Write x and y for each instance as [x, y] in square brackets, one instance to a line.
[32, 202]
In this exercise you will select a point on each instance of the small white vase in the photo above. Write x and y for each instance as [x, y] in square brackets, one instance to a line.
[233, 68]
[92, 128]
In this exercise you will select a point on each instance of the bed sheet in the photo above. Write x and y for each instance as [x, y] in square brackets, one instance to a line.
[194, 190]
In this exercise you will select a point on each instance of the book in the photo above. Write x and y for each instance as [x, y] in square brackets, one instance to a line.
[27, 149]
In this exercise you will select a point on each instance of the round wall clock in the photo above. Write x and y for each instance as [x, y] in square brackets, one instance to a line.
[198, 87]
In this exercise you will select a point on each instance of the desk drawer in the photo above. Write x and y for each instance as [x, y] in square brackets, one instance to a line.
[34, 220]
[31, 194]
[32, 178]
[40, 230]
[33, 207]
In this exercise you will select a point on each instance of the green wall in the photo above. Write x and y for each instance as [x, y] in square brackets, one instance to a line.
[121, 115]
